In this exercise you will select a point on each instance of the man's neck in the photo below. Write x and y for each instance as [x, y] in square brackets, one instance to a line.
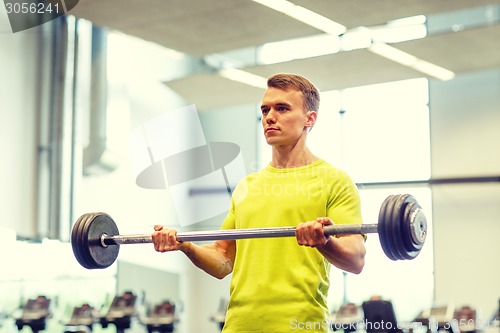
[291, 157]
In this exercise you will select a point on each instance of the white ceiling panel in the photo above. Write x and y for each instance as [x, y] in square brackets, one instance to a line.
[342, 70]
[196, 27]
[461, 51]
[355, 13]
[203, 27]
[210, 91]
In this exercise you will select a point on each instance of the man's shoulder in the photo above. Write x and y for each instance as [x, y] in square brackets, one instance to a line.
[328, 170]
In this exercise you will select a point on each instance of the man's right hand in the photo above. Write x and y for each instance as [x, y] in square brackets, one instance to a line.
[165, 240]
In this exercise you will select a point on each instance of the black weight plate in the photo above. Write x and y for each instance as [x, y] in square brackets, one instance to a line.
[83, 242]
[405, 222]
[408, 249]
[79, 242]
[390, 226]
[382, 228]
[395, 227]
[412, 247]
[410, 244]
[86, 240]
[74, 236]
[394, 214]
[100, 256]
[420, 223]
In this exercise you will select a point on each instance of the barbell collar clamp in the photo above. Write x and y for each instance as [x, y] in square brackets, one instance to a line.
[103, 239]
[418, 226]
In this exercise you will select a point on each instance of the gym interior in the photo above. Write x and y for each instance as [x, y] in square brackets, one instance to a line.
[94, 98]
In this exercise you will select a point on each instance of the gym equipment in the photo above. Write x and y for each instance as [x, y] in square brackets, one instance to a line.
[402, 229]
[466, 319]
[438, 318]
[35, 313]
[347, 318]
[380, 317]
[495, 317]
[160, 318]
[82, 319]
[121, 311]
[220, 317]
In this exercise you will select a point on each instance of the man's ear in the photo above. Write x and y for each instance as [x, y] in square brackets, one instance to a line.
[311, 119]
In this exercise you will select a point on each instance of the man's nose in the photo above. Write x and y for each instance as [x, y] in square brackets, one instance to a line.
[271, 117]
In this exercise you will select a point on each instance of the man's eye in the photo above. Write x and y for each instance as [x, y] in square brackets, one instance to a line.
[265, 111]
[282, 108]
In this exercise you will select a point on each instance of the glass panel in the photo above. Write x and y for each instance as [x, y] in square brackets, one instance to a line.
[386, 129]
[376, 133]
[326, 137]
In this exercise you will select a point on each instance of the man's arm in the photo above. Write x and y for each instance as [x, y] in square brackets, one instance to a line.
[345, 252]
[216, 259]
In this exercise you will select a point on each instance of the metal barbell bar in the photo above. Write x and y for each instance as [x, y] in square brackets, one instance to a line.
[402, 229]
[233, 234]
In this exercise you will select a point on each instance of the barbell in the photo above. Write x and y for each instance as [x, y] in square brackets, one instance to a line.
[402, 229]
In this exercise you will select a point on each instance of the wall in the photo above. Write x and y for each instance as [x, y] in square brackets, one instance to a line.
[17, 127]
[465, 137]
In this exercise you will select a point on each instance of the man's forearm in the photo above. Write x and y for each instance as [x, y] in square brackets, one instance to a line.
[346, 253]
[211, 258]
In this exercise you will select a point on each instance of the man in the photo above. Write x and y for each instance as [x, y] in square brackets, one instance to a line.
[276, 285]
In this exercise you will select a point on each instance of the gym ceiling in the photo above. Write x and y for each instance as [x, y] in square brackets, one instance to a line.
[202, 28]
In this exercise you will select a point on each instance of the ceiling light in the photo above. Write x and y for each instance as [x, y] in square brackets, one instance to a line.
[406, 21]
[411, 61]
[299, 48]
[305, 15]
[238, 75]
[433, 70]
[392, 53]
[355, 39]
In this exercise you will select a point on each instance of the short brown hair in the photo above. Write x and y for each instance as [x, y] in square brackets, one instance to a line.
[295, 81]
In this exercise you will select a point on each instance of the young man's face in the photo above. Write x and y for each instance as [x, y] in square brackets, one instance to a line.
[284, 118]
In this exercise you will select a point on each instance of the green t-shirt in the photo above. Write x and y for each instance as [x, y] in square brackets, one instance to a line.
[277, 285]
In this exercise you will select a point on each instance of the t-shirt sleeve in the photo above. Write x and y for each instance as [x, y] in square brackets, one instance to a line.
[344, 204]
[229, 221]
[238, 195]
